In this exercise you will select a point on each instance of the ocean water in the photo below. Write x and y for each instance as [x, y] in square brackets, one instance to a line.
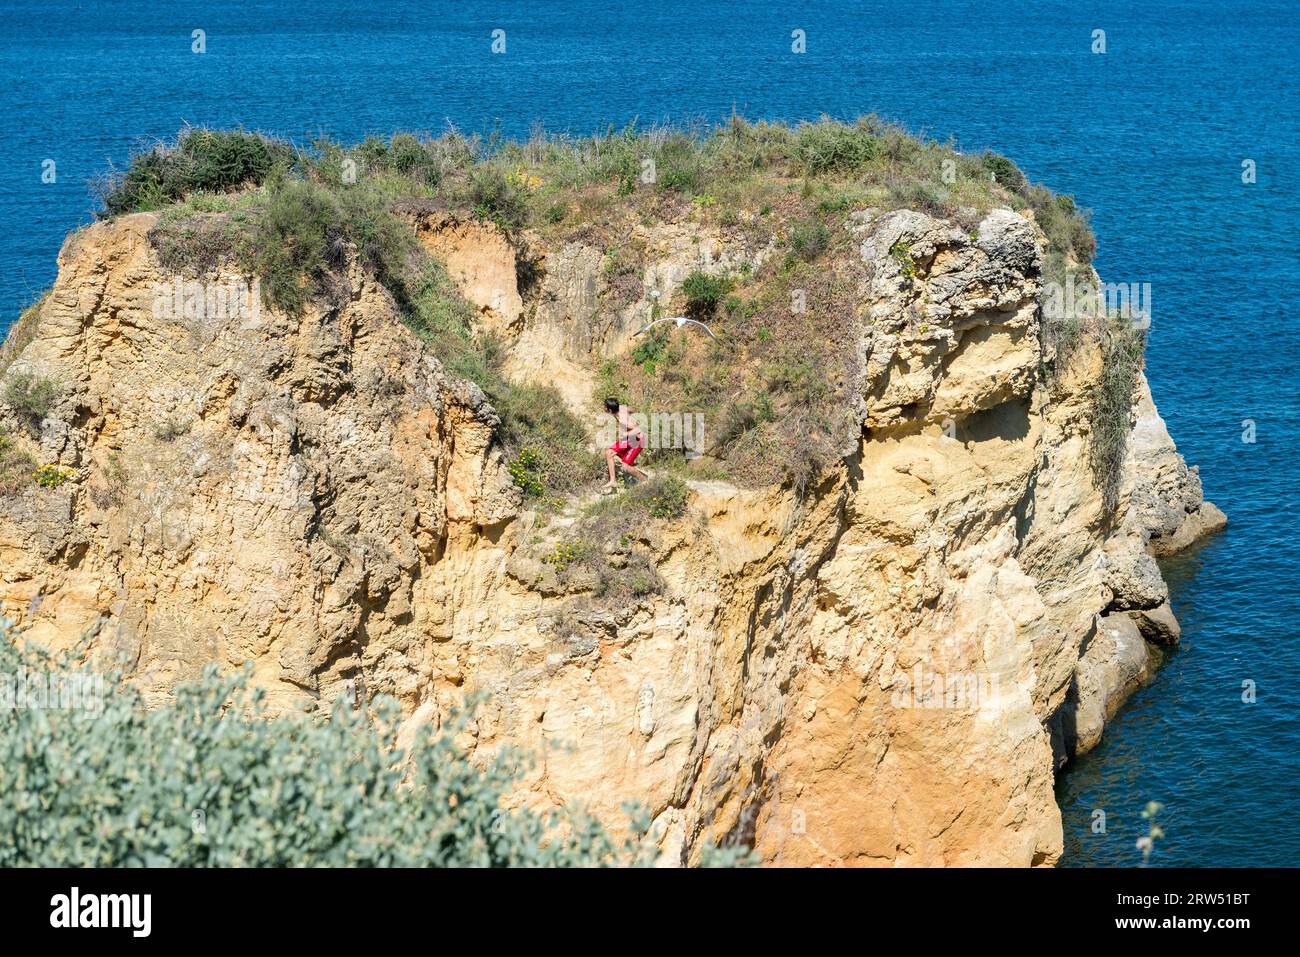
[1151, 135]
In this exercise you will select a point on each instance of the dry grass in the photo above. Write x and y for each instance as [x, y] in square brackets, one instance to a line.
[773, 392]
[21, 333]
[16, 467]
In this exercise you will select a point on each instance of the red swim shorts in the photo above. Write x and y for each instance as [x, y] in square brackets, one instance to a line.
[626, 451]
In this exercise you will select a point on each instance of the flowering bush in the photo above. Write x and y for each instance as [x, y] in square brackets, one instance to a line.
[664, 497]
[526, 471]
[51, 476]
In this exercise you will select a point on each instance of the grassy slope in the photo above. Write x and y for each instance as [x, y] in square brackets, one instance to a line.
[771, 389]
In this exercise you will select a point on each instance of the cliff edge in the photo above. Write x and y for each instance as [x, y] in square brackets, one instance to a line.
[883, 661]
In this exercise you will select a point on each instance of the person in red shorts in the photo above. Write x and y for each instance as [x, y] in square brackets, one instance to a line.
[628, 446]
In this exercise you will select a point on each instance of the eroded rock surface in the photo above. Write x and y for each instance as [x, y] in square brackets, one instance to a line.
[887, 669]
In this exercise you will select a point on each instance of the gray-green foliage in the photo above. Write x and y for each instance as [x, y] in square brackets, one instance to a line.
[31, 394]
[209, 780]
[303, 234]
[1122, 345]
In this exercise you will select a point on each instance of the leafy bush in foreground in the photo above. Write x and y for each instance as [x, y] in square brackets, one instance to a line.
[208, 780]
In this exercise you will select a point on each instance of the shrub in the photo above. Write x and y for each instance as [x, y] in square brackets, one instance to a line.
[496, 195]
[704, 292]
[1122, 346]
[662, 497]
[902, 254]
[1004, 171]
[651, 347]
[605, 545]
[21, 333]
[15, 467]
[544, 442]
[200, 160]
[170, 428]
[117, 483]
[830, 147]
[535, 417]
[302, 236]
[208, 780]
[31, 394]
[439, 157]
[384, 244]
[742, 415]
[679, 164]
[525, 470]
[426, 160]
[51, 476]
[443, 317]
[1070, 240]
[809, 239]
[608, 540]
[298, 235]
[568, 553]
[407, 155]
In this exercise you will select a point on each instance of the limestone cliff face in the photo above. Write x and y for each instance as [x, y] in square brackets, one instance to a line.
[887, 669]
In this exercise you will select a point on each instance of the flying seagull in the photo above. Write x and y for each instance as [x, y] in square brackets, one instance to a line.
[680, 320]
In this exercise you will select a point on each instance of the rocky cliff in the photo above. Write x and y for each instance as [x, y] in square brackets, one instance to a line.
[886, 666]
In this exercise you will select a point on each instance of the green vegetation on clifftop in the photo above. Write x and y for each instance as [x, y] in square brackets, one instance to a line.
[773, 387]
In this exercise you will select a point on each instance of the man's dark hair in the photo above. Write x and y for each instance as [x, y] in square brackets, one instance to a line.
[611, 405]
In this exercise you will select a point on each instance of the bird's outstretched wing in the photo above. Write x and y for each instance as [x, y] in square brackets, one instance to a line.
[652, 322]
[705, 328]
[679, 320]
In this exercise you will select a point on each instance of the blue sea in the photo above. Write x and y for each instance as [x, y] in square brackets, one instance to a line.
[1151, 135]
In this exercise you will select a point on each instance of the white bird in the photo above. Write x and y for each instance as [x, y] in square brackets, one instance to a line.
[680, 320]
